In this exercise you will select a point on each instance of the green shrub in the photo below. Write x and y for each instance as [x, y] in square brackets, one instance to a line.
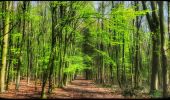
[155, 94]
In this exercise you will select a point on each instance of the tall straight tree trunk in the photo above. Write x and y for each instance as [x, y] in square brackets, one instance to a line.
[10, 53]
[154, 27]
[53, 42]
[123, 77]
[118, 65]
[7, 6]
[163, 49]
[28, 46]
[168, 32]
[24, 8]
[98, 57]
[65, 63]
[102, 46]
[156, 49]
[137, 51]
[155, 62]
[60, 37]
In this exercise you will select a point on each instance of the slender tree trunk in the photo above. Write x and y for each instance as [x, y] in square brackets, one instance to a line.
[10, 53]
[24, 7]
[7, 6]
[53, 42]
[137, 48]
[9, 63]
[65, 63]
[154, 27]
[102, 46]
[136, 52]
[60, 37]
[163, 49]
[168, 33]
[123, 77]
[118, 66]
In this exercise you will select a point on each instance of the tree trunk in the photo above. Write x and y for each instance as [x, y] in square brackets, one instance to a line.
[10, 53]
[123, 77]
[53, 42]
[163, 49]
[154, 27]
[168, 34]
[137, 49]
[7, 7]
[24, 7]
[29, 52]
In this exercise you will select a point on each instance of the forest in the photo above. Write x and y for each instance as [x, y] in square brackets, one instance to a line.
[84, 49]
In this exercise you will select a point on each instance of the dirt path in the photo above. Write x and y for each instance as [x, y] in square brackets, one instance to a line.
[83, 89]
[76, 89]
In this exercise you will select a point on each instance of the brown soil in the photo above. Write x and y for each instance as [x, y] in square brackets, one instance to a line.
[79, 88]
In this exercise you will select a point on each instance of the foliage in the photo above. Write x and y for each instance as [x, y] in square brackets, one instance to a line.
[156, 94]
[49, 38]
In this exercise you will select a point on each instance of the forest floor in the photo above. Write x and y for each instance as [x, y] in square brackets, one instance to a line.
[77, 89]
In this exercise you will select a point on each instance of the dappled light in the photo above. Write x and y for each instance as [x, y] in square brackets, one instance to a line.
[84, 49]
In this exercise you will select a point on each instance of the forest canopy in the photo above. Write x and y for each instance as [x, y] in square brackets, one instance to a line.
[123, 43]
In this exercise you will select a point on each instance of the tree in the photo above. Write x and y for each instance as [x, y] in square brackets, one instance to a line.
[9, 65]
[108, 42]
[53, 51]
[7, 8]
[24, 8]
[137, 48]
[163, 49]
[153, 22]
[88, 51]
[29, 46]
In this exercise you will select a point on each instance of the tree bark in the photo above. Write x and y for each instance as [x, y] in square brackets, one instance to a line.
[7, 7]
[137, 49]
[53, 42]
[163, 49]
[154, 27]
[24, 8]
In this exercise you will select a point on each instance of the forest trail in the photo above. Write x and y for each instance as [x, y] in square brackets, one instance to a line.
[81, 88]
[77, 89]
